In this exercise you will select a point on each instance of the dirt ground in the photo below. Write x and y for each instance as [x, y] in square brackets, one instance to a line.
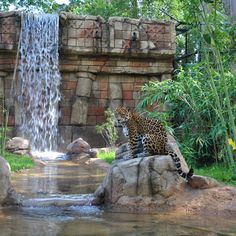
[211, 201]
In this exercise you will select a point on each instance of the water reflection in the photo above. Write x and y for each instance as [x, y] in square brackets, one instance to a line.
[61, 177]
[64, 182]
[90, 220]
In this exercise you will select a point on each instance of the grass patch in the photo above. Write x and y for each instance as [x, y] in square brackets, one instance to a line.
[109, 157]
[219, 172]
[18, 162]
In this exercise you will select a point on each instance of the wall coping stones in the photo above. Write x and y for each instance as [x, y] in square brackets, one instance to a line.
[117, 36]
[93, 35]
[69, 15]
[86, 75]
[9, 14]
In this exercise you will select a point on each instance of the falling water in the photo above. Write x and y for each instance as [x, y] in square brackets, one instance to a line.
[40, 80]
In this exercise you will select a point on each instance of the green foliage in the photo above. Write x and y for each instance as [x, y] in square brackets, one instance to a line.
[47, 6]
[219, 172]
[105, 8]
[108, 129]
[3, 121]
[4, 4]
[201, 100]
[18, 162]
[128, 8]
[107, 156]
[190, 105]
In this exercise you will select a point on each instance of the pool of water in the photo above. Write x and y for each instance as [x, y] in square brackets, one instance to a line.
[50, 194]
[58, 177]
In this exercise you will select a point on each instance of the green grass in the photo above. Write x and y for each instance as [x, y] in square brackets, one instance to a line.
[18, 162]
[107, 156]
[219, 172]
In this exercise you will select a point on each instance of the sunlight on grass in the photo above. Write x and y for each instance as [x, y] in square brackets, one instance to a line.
[107, 156]
[18, 162]
[219, 172]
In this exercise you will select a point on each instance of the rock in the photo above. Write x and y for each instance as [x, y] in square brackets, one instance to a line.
[78, 146]
[202, 182]
[152, 185]
[63, 17]
[80, 151]
[5, 174]
[18, 145]
[8, 196]
[123, 152]
[81, 158]
[153, 177]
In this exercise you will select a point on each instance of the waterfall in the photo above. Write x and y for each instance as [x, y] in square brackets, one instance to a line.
[40, 80]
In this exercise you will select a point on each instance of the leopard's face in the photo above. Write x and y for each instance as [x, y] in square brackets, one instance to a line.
[123, 115]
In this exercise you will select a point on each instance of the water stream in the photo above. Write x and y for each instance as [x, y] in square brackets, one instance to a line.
[40, 80]
[48, 210]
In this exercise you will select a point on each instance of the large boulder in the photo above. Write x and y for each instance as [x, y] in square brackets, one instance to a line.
[152, 185]
[8, 196]
[18, 145]
[151, 179]
[80, 150]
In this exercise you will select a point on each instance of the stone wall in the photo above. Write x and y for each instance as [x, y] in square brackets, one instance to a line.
[102, 63]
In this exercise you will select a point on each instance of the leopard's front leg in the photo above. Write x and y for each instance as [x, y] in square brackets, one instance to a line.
[134, 145]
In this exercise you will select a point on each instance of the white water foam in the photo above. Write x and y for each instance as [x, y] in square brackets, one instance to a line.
[49, 155]
[40, 80]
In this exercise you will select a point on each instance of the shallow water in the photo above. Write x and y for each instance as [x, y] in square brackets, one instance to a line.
[67, 182]
[58, 177]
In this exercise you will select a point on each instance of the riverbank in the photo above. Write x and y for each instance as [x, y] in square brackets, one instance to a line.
[18, 162]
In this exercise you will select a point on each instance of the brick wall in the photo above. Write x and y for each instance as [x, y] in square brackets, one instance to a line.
[103, 65]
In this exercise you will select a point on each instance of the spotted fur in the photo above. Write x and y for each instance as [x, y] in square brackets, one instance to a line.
[147, 136]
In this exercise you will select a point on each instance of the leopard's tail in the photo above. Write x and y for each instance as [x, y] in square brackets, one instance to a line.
[175, 158]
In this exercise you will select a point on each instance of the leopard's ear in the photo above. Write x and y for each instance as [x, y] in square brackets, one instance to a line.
[128, 109]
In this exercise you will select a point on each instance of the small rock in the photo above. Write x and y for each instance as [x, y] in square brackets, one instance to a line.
[80, 151]
[203, 182]
[18, 145]
[81, 158]
[78, 146]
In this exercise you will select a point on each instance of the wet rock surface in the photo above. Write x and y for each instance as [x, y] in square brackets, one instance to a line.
[8, 196]
[80, 151]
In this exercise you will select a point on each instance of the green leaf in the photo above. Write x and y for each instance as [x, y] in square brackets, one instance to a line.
[209, 1]
[207, 38]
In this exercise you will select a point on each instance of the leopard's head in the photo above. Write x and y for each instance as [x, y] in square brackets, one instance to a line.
[123, 115]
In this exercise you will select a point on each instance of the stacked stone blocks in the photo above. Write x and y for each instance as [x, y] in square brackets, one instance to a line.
[103, 64]
[118, 35]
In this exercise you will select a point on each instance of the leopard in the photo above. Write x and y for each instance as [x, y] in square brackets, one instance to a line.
[147, 136]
